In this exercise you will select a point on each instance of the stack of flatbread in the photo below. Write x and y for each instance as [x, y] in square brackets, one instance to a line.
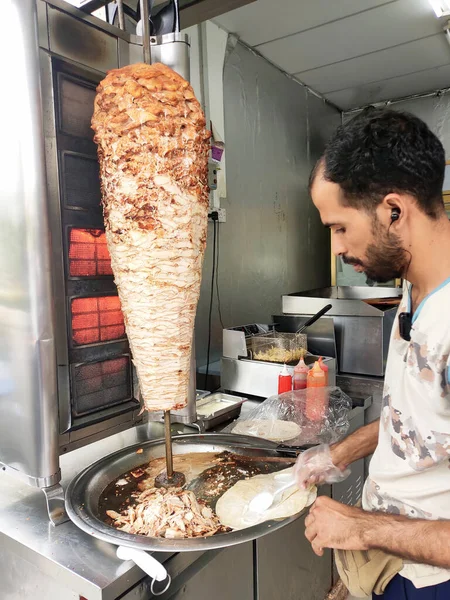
[274, 430]
[233, 507]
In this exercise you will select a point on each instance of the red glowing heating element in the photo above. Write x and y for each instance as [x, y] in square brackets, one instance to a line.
[96, 320]
[88, 253]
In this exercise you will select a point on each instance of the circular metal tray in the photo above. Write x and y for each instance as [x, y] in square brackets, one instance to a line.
[84, 492]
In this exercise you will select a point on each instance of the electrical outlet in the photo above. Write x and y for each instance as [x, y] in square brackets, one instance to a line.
[212, 176]
[222, 215]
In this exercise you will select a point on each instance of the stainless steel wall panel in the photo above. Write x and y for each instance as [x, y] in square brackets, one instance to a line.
[41, 8]
[71, 10]
[52, 171]
[323, 120]
[273, 241]
[435, 111]
[28, 398]
[81, 42]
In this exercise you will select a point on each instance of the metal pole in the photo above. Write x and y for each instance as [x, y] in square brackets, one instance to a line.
[121, 15]
[170, 478]
[176, 8]
[146, 31]
[168, 436]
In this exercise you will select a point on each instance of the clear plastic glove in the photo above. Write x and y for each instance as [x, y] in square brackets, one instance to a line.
[315, 467]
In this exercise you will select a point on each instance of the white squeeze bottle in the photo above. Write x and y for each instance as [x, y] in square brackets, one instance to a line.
[300, 375]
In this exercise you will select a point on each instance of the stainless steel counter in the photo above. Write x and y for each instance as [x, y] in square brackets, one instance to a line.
[65, 562]
[75, 560]
[39, 560]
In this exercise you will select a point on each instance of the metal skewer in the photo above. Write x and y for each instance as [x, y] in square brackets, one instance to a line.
[146, 31]
[169, 478]
[168, 437]
[120, 14]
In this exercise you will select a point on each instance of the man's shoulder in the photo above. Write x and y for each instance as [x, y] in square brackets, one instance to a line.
[432, 316]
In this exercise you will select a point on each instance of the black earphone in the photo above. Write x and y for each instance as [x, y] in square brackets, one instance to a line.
[395, 215]
[405, 322]
[404, 318]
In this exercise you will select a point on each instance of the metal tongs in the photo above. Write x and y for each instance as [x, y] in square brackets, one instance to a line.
[281, 449]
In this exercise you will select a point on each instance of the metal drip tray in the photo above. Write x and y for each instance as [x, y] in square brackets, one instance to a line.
[217, 408]
[85, 490]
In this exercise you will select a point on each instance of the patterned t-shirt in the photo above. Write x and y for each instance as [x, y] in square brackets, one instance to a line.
[410, 470]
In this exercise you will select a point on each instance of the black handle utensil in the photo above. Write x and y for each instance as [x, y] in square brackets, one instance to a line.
[282, 449]
[314, 318]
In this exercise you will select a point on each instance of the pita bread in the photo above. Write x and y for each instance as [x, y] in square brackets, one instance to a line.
[232, 507]
[274, 430]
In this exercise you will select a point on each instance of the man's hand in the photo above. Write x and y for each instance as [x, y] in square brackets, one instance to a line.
[334, 525]
[315, 466]
[328, 464]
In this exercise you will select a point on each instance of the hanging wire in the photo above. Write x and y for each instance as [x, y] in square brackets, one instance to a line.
[213, 275]
[217, 276]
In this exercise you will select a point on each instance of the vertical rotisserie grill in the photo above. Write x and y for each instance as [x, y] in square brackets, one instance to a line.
[94, 355]
[70, 374]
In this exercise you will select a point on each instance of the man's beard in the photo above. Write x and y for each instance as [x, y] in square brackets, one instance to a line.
[385, 257]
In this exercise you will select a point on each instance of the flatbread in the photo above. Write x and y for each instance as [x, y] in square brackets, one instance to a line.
[232, 507]
[274, 430]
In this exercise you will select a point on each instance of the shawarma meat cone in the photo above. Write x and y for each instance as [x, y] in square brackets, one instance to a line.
[153, 153]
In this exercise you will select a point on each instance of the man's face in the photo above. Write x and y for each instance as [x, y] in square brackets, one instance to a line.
[358, 237]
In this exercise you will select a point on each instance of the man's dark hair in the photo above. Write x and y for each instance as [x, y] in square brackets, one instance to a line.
[382, 151]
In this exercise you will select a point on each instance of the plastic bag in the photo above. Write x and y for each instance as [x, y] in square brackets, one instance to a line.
[298, 418]
[315, 466]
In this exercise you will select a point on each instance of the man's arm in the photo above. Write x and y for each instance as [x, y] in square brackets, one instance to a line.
[324, 464]
[417, 540]
[358, 445]
[334, 525]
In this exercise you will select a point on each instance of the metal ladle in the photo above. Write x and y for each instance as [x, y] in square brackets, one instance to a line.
[265, 500]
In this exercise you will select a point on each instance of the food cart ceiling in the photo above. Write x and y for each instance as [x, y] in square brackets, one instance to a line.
[192, 12]
[353, 52]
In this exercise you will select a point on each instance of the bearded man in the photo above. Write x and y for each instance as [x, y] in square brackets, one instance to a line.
[378, 187]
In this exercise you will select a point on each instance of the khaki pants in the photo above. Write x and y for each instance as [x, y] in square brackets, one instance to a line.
[364, 572]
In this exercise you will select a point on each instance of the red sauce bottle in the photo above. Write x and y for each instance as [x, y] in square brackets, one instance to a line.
[284, 381]
[300, 375]
[316, 394]
[324, 368]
